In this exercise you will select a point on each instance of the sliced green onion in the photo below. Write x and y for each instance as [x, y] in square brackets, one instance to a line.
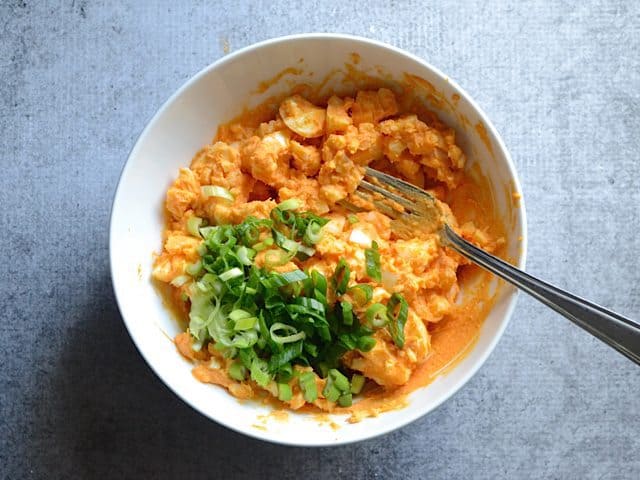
[313, 233]
[227, 352]
[310, 303]
[237, 371]
[230, 274]
[246, 357]
[307, 381]
[352, 219]
[345, 400]
[238, 314]
[330, 392]
[362, 293]
[282, 279]
[372, 259]
[250, 229]
[193, 224]
[311, 349]
[244, 339]
[291, 204]
[357, 382]
[398, 321]
[291, 245]
[339, 380]
[365, 344]
[205, 232]
[180, 280]
[340, 279]
[247, 323]
[259, 372]
[194, 269]
[276, 258]
[245, 255]
[216, 191]
[210, 283]
[285, 373]
[282, 217]
[284, 392]
[266, 243]
[293, 334]
[272, 322]
[308, 251]
[241, 339]
[349, 341]
[376, 315]
[279, 362]
[347, 313]
[319, 281]
[285, 243]
[324, 369]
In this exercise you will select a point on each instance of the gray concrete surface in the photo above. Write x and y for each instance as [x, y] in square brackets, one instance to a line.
[78, 82]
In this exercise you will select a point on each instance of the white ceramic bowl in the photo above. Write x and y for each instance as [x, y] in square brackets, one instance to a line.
[186, 122]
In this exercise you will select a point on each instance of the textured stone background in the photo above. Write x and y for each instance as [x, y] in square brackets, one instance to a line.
[78, 82]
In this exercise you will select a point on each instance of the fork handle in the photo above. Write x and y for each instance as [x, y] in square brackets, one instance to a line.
[619, 332]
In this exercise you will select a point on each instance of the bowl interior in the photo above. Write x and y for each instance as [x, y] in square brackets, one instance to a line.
[187, 122]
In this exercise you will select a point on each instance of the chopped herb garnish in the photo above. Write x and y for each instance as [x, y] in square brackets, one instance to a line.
[397, 319]
[269, 322]
[372, 259]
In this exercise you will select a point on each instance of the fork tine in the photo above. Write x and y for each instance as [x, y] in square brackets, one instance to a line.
[405, 204]
[404, 187]
[409, 205]
[381, 206]
[350, 206]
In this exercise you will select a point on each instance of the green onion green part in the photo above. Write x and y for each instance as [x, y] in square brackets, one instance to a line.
[307, 381]
[372, 259]
[259, 372]
[345, 400]
[397, 320]
[271, 324]
[376, 315]
[284, 392]
[292, 334]
[237, 371]
[340, 279]
[357, 382]
[362, 293]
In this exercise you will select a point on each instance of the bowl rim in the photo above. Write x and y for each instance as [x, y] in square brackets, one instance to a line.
[512, 299]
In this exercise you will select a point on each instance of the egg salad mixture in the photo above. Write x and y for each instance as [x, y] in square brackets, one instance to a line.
[288, 294]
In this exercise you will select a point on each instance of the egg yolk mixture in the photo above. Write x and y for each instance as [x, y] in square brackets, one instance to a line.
[289, 295]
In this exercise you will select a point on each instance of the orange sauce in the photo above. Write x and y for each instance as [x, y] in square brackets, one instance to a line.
[265, 85]
[426, 88]
[482, 133]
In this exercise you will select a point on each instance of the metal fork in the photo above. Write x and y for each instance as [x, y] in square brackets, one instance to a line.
[401, 201]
